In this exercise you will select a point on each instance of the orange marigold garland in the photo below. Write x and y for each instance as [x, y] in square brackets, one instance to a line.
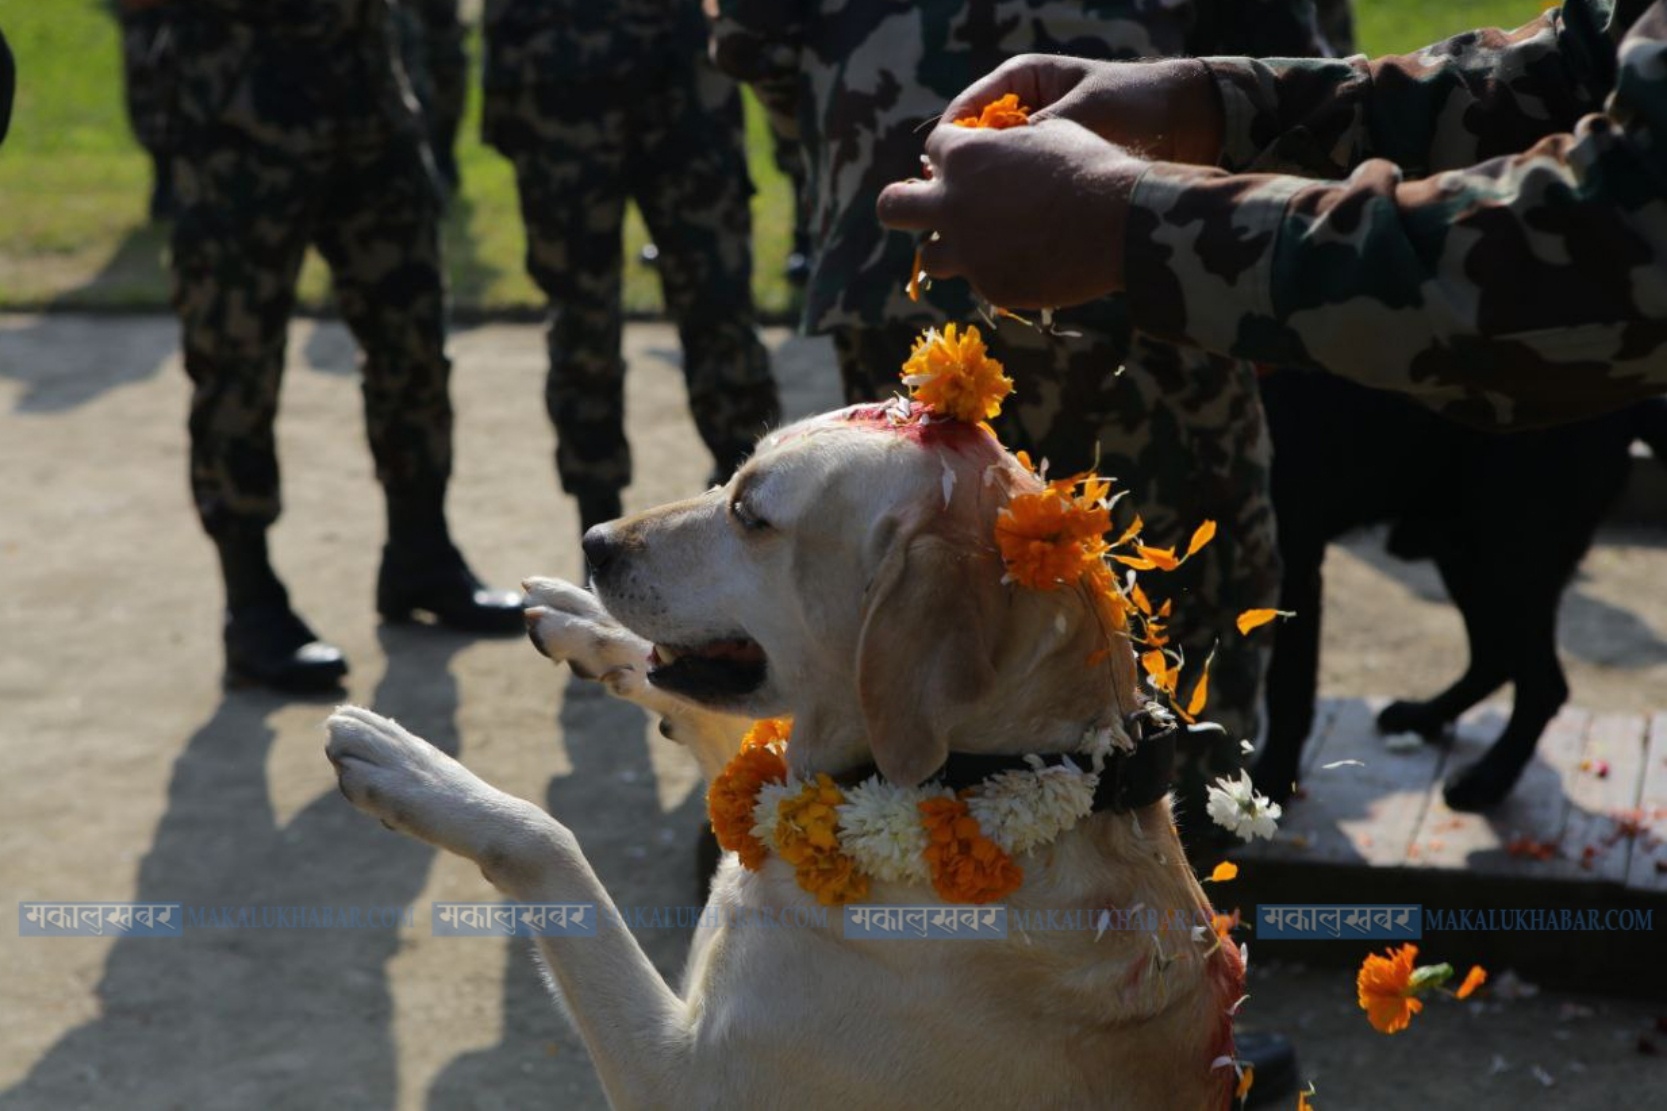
[730, 798]
[807, 835]
[952, 372]
[967, 867]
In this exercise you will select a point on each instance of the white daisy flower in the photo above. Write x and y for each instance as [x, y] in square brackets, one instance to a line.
[880, 827]
[1234, 805]
[1020, 810]
[766, 810]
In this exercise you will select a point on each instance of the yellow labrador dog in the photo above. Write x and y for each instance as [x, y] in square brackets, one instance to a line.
[848, 576]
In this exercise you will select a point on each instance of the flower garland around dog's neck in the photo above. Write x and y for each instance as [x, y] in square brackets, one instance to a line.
[839, 840]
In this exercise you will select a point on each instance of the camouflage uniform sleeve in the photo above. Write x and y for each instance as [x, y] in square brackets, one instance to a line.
[1524, 290]
[1473, 97]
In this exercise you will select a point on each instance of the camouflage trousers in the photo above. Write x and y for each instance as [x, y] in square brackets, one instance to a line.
[148, 75]
[671, 140]
[431, 39]
[248, 213]
[1184, 433]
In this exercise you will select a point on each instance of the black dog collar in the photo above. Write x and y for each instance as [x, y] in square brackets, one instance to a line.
[1129, 780]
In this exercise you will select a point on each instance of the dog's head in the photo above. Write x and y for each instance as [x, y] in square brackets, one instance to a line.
[848, 575]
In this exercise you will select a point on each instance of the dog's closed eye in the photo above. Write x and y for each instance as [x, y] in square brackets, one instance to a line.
[745, 517]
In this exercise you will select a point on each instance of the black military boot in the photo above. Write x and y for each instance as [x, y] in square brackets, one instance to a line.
[423, 572]
[266, 643]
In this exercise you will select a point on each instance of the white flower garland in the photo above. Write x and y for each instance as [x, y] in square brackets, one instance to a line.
[880, 825]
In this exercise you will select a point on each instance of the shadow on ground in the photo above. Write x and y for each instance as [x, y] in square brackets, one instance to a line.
[229, 1018]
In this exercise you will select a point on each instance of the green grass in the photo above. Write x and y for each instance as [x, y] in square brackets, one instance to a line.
[73, 185]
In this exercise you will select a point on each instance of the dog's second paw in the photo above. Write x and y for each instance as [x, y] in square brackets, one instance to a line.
[399, 778]
[567, 624]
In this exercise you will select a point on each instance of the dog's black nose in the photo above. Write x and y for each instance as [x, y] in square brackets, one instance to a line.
[600, 549]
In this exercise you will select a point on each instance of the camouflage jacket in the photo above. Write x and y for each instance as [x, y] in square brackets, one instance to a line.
[294, 75]
[538, 42]
[1498, 246]
[863, 79]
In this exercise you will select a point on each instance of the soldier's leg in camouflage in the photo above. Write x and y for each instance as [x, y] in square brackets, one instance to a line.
[687, 164]
[448, 66]
[379, 231]
[567, 144]
[148, 70]
[871, 360]
[238, 242]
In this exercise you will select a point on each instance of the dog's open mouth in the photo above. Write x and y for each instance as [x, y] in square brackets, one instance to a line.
[716, 671]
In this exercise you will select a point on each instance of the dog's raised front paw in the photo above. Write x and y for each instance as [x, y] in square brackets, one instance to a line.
[403, 781]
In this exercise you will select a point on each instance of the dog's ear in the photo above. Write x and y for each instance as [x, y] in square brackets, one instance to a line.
[923, 657]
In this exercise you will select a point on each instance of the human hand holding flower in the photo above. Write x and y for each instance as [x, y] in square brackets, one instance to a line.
[1167, 111]
[1031, 216]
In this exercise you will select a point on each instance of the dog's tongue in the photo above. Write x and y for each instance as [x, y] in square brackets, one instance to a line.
[740, 650]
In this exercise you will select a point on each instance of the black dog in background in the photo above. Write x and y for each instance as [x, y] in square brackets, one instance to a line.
[1507, 519]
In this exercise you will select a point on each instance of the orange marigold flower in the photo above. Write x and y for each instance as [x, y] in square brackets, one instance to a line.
[999, 114]
[1054, 536]
[808, 836]
[952, 372]
[1385, 989]
[1475, 978]
[769, 731]
[967, 867]
[734, 792]
[1224, 925]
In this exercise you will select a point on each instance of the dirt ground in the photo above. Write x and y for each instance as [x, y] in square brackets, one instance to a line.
[130, 775]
